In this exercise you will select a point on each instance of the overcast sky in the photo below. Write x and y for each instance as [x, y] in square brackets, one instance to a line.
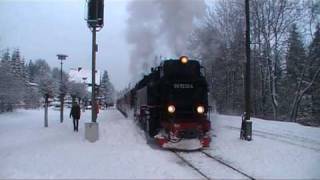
[44, 28]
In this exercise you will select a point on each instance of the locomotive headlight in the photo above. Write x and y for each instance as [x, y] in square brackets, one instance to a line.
[200, 109]
[184, 59]
[171, 109]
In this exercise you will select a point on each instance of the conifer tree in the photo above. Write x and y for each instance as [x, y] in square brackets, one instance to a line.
[302, 73]
[11, 86]
[16, 63]
[6, 56]
[314, 58]
[31, 70]
[107, 89]
[296, 56]
[295, 61]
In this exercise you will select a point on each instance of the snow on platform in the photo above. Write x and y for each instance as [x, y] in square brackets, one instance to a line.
[28, 150]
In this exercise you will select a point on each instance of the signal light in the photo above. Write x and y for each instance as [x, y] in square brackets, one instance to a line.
[171, 109]
[95, 13]
[184, 59]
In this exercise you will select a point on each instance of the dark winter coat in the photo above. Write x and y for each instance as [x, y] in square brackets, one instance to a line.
[75, 111]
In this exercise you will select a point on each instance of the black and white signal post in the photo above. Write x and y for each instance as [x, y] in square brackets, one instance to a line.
[95, 23]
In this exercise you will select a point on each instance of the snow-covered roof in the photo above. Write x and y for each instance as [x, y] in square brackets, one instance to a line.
[83, 75]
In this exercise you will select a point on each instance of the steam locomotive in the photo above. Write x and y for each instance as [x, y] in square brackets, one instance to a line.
[171, 105]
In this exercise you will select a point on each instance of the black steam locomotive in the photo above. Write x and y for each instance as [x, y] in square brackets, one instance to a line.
[171, 104]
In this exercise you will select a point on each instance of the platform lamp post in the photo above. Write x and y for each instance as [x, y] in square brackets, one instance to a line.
[61, 57]
[246, 125]
[95, 23]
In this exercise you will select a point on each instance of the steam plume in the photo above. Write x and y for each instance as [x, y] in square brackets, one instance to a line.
[177, 22]
[141, 33]
[155, 26]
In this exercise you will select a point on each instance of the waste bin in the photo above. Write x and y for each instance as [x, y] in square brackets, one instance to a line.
[92, 131]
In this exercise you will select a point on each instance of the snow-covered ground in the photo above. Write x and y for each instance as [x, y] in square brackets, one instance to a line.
[279, 150]
[28, 150]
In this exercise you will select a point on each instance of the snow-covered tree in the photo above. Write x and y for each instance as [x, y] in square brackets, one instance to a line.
[48, 88]
[219, 43]
[32, 97]
[107, 89]
[11, 89]
[39, 68]
[78, 91]
[64, 85]
[11, 86]
[6, 56]
[31, 69]
[18, 66]
[43, 77]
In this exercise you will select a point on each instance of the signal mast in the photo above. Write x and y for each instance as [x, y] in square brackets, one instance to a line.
[95, 23]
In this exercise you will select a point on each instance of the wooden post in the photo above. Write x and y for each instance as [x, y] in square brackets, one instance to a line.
[246, 124]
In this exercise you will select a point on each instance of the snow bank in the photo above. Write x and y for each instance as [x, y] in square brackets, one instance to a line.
[279, 150]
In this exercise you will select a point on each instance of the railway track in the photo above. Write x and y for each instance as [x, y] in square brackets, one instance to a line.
[285, 136]
[207, 162]
[191, 165]
[228, 165]
[303, 142]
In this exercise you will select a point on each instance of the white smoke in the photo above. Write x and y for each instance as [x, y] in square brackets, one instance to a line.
[141, 33]
[155, 26]
[177, 22]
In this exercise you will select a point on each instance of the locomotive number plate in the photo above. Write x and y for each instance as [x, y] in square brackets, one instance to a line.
[182, 86]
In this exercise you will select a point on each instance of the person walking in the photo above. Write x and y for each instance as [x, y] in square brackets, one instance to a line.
[75, 113]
